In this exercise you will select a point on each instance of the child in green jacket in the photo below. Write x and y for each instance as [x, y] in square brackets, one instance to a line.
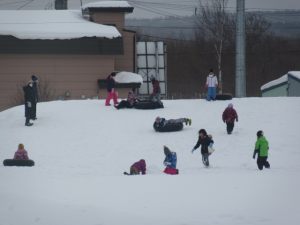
[261, 148]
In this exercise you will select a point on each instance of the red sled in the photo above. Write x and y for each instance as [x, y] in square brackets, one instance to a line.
[171, 171]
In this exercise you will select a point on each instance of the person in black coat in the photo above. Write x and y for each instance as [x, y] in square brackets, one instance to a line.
[205, 141]
[111, 92]
[29, 99]
[36, 95]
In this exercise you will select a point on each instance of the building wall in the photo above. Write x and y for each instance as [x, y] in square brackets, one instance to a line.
[126, 62]
[294, 86]
[109, 18]
[276, 92]
[77, 74]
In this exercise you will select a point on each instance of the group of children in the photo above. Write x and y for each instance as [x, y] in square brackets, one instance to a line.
[131, 98]
[206, 142]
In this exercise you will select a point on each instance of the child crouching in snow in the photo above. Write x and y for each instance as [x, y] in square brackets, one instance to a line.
[137, 168]
[170, 161]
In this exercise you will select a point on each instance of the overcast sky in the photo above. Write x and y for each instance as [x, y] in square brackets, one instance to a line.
[156, 8]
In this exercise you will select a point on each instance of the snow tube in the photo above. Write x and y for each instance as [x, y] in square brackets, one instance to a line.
[171, 171]
[169, 127]
[148, 105]
[223, 97]
[18, 162]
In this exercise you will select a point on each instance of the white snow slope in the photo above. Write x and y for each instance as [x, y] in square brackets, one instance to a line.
[81, 149]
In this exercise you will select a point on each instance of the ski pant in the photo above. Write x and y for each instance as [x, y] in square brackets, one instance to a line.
[205, 159]
[180, 120]
[229, 127]
[211, 93]
[111, 95]
[262, 162]
[34, 110]
[134, 171]
[28, 111]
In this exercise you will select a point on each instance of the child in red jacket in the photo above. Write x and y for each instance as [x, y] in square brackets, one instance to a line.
[137, 168]
[229, 116]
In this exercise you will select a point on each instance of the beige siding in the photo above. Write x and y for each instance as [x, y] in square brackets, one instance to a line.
[126, 61]
[108, 18]
[77, 74]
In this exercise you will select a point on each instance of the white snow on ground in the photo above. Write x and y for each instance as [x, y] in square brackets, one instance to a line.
[81, 149]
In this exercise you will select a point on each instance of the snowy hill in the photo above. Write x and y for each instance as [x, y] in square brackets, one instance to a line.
[81, 149]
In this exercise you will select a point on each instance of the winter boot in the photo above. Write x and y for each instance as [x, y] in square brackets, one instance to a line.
[27, 122]
[186, 120]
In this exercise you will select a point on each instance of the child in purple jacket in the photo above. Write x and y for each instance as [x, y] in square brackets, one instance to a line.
[21, 153]
[137, 168]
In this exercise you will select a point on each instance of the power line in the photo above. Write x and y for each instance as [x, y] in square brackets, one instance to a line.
[12, 3]
[30, 1]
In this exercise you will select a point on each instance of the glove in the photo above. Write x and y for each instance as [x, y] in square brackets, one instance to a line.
[192, 150]
[237, 120]
[29, 104]
[167, 163]
[254, 153]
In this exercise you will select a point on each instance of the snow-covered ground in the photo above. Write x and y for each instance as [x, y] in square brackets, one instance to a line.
[81, 149]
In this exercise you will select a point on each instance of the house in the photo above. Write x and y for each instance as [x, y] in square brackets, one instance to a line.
[287, 85]
[69, 50]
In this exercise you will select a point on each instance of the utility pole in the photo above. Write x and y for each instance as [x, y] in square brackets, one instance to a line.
[240, 71]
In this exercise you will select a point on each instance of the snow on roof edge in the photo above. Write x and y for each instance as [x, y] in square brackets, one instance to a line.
[51, 25]
[107, 4]
[281, 80]
[128, 77]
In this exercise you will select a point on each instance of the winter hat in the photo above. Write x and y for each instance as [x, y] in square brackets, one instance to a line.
[230, 105]
[21, 146]
[202, 131]
[167, 151]
[34, 78]
[259, 133]
[157, 119]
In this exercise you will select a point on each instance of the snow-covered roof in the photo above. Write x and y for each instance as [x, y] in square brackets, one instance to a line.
[107, 4]
[281, 80]
[52, 24]
[295, 74]
[128, 77]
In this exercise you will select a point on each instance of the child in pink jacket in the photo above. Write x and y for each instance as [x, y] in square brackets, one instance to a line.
[21, 153]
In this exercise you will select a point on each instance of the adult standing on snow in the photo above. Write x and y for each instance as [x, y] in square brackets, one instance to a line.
[111, 92]
[170, 161]
[211, 85]
[204, 140]
[229, 116]
[29, 99]
[262, 149]
[36, 95]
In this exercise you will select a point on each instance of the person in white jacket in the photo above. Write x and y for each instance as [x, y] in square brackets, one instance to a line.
[211, 85]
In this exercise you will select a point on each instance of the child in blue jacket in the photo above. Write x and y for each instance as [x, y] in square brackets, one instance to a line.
[170, 161]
